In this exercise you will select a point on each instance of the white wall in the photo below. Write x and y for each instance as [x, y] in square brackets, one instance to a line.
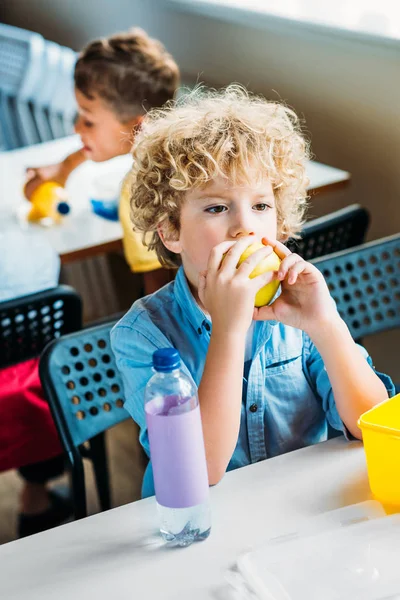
[348, 90]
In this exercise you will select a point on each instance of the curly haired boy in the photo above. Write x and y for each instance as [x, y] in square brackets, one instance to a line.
[212, 174]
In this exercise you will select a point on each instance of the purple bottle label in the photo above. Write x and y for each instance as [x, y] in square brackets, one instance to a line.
[178, 457]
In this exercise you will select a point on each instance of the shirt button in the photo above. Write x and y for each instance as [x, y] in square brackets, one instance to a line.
[253, 408]
[199, 331]
[207, 327]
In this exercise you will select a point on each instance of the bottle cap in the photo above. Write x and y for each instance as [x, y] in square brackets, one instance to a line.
[166, 359]
[63, 208]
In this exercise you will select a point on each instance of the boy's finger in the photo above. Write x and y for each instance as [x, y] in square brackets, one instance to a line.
[295, 271]
[287, 263]
[248, 266]
[280, 249]
[264, 279]
[30, 173]
[235, 252]
[216, 255]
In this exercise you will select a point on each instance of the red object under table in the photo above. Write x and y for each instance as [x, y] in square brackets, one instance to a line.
[27, 430]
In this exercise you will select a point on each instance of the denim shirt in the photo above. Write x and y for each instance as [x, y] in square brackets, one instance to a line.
[287, 399]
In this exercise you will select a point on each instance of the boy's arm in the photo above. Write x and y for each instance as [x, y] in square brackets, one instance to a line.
[305, 303]
[355, 385]
[220, 397]
[58, 172]
[228, 295]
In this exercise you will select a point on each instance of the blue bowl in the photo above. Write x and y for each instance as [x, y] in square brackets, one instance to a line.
[108, 209]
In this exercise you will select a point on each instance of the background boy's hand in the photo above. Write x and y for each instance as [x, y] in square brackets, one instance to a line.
[35, 176]
[226, 291]
[58, 172]
[305, 301]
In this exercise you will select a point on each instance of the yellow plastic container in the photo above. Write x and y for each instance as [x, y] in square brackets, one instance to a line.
[380, 427]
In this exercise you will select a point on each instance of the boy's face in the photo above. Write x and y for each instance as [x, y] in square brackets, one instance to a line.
[220, 212]
[103, 135]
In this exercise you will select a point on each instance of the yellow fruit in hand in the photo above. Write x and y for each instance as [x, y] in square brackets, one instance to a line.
[269, 263]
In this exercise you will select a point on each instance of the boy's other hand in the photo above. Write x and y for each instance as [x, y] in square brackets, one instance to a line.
[305, 301]
[35, 176]
[226, 291]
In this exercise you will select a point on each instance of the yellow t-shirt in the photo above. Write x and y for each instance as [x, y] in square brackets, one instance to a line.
[138, 256]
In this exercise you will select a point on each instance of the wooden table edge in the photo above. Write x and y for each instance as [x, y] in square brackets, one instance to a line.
[90, 251]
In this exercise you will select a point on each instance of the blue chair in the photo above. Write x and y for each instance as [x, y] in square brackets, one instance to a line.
[336, 231]
[85, 393]
[365, 283]
[21, 67]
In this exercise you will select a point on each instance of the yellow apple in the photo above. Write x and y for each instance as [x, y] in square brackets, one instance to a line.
[270, 263]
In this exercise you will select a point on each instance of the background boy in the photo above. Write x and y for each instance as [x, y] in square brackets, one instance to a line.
[117, 80]
[210, 177]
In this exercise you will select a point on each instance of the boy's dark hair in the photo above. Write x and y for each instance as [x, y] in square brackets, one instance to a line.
[129, 71]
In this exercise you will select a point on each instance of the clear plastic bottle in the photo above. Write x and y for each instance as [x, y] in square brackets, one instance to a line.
[177, 451]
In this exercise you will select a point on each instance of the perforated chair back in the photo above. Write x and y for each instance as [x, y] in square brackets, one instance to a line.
[337, 231]
[83, 383]
[365, 284]
[30, 322]
[85, 393]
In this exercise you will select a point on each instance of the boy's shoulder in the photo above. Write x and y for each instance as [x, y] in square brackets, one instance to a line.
[147, 313]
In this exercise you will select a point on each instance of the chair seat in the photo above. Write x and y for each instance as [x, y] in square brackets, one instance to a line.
[27, 430]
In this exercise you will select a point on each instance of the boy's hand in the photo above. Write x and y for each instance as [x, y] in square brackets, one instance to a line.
[226, 291]
[35, 176]
[305, 301]
[59, 172]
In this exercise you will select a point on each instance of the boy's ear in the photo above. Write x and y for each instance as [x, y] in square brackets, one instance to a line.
[170, 238]
[136, 123]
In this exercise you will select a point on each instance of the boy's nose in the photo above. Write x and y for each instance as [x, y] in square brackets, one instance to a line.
[241, 227]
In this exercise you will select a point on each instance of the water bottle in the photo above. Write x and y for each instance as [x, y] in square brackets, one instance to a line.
[177, 451]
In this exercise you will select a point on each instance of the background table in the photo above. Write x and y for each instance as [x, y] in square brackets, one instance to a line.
[83, 233]
[117, 554]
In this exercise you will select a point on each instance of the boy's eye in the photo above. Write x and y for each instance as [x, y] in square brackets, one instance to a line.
[88, 124]
[216, 209]
[262, 206]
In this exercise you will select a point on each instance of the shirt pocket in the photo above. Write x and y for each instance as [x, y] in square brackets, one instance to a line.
[293, 412]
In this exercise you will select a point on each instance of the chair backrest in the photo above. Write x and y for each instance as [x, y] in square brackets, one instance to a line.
[339, 230]
[21, 54]
[30, 322]
[365, 283]
[82, 385]
[21, 67]
[37, 100]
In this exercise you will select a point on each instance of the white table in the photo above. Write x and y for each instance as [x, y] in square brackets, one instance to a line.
[84, 233]
[116, 555]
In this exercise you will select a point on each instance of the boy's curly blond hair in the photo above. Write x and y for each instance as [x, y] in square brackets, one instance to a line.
[129, 71]
[209, 133]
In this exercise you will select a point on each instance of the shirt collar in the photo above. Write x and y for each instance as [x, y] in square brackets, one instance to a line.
[188, 304]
